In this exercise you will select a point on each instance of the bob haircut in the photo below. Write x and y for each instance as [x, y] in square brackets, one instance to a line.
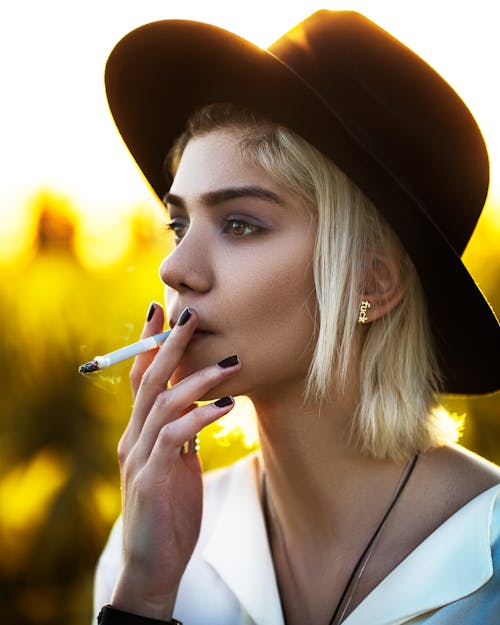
[398, 376]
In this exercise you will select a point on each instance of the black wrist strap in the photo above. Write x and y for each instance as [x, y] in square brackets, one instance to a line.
[111, 616]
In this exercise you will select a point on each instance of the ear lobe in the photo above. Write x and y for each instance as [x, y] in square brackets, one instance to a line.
[384, 288]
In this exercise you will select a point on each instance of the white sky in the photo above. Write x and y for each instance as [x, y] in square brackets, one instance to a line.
[55, 130]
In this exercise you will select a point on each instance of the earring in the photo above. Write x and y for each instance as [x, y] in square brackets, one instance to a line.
[363, 317]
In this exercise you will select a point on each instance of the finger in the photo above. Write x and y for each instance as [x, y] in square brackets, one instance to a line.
[154, 323]
[156, 376]
[170, 439]
[172, 403]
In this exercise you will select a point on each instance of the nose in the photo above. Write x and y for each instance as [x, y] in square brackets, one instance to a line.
[188, 267]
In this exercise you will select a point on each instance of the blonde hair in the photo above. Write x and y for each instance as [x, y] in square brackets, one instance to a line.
[399, 375]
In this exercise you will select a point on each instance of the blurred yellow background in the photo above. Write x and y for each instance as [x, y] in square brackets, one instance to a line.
[80, 243]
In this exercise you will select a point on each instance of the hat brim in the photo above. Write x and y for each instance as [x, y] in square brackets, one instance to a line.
[159, 74]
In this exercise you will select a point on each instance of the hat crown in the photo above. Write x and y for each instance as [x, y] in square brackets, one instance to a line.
[400, 111]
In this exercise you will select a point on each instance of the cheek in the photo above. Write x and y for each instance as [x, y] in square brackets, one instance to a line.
[265, 307]
[275, 325]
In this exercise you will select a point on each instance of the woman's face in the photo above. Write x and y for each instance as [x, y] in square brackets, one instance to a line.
[243, 260]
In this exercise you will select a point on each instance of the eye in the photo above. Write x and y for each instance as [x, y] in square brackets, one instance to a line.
[240, 227]
[178, 228]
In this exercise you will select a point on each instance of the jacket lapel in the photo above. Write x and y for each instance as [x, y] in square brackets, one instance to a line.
[451, 563]
[238, 548]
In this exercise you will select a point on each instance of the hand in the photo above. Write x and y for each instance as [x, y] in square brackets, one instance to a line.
[162, 489]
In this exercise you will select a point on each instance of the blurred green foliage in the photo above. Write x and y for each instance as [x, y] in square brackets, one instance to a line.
[59, 487]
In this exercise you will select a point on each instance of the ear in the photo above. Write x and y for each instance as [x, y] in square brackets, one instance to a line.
[383, 287]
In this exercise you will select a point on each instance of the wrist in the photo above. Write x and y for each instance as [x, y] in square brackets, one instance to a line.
[130, 597]
[110, 615]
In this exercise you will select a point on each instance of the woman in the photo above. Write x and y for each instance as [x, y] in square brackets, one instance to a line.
[319, 195]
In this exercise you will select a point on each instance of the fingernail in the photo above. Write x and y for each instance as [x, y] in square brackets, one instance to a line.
[151, 312]
[185, 317]
[224, 401]
[229, 362]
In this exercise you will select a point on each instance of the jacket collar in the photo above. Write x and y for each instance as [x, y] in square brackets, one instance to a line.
[454, 561]
[238, 548]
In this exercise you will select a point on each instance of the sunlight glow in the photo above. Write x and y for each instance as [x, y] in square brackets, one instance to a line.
[17, 233]
[102, 241]
[56, 131]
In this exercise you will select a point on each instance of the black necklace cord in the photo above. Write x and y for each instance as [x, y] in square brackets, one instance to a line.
[360, 566]
[353, 581]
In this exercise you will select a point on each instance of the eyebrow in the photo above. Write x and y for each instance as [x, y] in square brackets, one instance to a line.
[211, 198]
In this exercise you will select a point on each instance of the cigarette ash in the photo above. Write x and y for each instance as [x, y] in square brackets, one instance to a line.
[89, 367]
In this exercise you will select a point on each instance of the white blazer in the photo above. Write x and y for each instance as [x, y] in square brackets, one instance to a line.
[451, 578]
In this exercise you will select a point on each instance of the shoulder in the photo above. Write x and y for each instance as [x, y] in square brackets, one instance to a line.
[458, 475]
[448, 482]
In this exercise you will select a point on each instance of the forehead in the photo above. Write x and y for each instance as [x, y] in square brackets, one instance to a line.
[215, 160]
[214, 169]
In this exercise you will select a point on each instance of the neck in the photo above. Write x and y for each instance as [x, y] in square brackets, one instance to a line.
[315, 478]
[324, 502]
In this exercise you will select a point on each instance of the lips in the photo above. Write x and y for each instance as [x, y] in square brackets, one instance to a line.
[200, 334]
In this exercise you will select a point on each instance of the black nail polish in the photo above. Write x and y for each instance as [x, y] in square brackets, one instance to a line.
[151, 312]
[229, 362]
[224, 401]
[185, 317]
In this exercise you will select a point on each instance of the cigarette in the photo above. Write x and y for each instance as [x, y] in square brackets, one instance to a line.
[124, 353]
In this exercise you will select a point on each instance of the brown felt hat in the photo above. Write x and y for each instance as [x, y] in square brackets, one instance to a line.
[386, 118]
